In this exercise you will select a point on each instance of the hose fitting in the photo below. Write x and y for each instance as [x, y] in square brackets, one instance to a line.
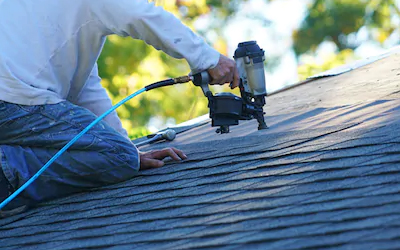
[183, 79]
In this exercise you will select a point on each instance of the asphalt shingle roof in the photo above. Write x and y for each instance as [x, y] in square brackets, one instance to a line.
[325, 175]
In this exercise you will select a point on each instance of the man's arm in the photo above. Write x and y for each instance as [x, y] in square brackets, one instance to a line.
[95, 98]
[157, 27]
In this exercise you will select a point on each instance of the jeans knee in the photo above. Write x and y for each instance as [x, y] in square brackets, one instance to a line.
[124, 156]
[128, 155]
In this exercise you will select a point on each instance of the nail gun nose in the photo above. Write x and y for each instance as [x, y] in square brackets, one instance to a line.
[168, 135]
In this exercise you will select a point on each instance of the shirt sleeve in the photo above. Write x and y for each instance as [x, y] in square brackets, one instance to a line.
[95, 98]
[157, 27]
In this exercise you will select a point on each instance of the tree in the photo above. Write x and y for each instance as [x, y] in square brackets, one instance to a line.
[127, 65]
[340, 20]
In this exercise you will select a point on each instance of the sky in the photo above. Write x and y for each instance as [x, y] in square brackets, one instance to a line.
[284, 16]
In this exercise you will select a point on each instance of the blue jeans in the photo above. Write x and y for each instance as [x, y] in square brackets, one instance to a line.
[31, 135]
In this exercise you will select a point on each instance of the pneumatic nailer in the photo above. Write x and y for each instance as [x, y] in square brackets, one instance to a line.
[226, 109]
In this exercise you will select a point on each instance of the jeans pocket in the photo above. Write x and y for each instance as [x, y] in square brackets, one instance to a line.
[7, 110]
[3, 106]
[3, 113]
[29, 108]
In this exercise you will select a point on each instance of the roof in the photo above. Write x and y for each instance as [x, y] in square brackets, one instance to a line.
[325, 175]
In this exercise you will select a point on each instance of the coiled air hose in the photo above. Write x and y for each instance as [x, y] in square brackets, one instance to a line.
[172, 81]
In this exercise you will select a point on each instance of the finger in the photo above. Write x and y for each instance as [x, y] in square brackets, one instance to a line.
[148, 163]
[229, 77]
[173, 155]
[236, 79]
[180, 153]
[222, 78]
[226, 79]
[214, 82]
[216, 79]
[161, 154]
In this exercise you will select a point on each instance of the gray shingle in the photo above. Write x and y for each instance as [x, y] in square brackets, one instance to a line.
[325, 175]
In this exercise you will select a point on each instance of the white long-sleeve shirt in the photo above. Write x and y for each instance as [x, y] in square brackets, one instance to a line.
[49, 48]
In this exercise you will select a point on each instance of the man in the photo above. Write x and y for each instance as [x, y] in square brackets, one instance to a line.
[50, 91]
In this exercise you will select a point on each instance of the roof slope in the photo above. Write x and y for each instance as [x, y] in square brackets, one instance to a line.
[326, 174]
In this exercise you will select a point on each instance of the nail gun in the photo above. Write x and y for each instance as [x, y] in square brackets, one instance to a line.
[226, 109]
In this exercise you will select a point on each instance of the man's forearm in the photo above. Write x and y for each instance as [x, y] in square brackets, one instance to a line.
[157, 27]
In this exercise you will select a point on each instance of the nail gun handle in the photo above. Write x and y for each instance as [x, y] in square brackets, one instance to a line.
[202, 80]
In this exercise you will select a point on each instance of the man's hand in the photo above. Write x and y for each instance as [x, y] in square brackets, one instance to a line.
[153, 159]
[225, 72]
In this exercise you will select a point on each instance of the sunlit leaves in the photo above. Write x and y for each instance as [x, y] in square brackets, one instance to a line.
[127, 65]
[328, 20]
[334, 20]
[311, 67]
[340, 21]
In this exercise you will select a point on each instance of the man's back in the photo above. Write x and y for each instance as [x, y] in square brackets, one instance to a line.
[47, 49]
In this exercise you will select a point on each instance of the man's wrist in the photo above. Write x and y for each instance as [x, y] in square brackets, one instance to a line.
[208, 59]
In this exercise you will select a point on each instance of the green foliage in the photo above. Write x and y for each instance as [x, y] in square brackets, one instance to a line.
[127, 65]
[139, 132]
[329, 19]
[339, 21]
[380, 18]
[335, 20]
[311, 67]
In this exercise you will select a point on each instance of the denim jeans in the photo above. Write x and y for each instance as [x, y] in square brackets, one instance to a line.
[31, 135]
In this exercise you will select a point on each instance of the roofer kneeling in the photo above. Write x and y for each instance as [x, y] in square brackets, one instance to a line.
[50, 91]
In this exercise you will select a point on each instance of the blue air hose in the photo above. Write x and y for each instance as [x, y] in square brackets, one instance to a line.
[172, 81]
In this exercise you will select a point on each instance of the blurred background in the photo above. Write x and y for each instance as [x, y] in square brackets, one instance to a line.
[300, 38]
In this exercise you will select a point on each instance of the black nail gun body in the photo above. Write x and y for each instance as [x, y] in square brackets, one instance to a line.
[226, 109]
